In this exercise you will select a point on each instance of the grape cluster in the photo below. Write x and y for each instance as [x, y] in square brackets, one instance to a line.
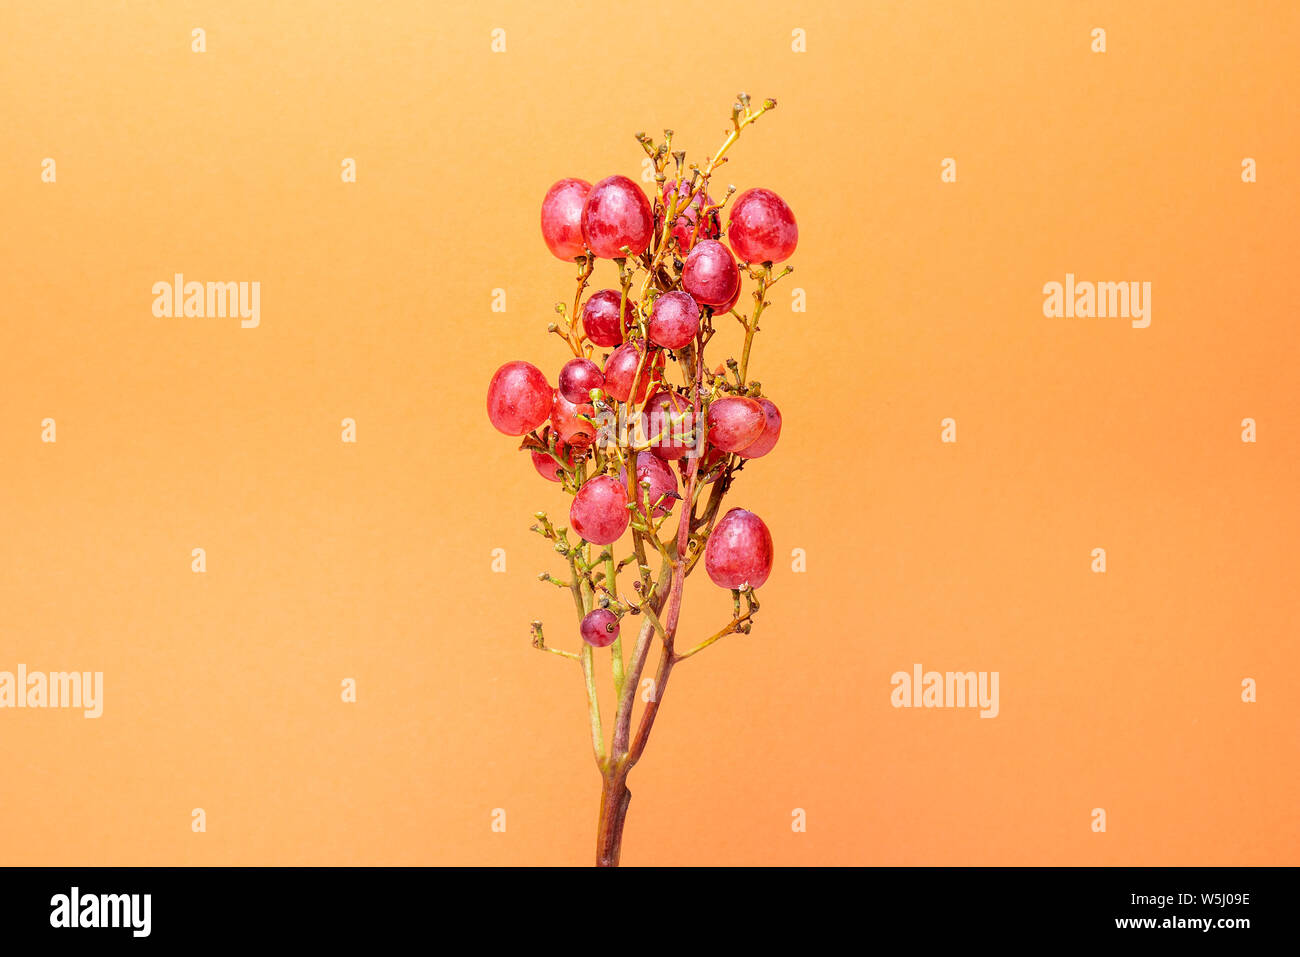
[693, 274]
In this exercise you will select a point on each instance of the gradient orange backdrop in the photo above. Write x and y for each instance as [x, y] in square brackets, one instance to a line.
[373, 561]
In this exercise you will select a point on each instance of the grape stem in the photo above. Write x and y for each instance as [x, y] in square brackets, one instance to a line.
[594, 583]
[751, 327]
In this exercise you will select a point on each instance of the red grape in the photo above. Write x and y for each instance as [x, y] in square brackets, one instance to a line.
[669, 425]
[562, 217]
[710, 274]
[674, 320]
[762, 227]
[683, 228]
[546, 465]
[519, 398]
[616, 214]
[739, 551]
[599, 511]
[600, 319]
[599, 628]
[735, 422]
[766, 440]
[663, 484]
[578, 377]
[568, 426]
[730, 304]
[712, 457]
[620, 370]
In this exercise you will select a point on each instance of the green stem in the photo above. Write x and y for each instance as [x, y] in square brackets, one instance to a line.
[593, 707]
[752, 326]
[616, 648]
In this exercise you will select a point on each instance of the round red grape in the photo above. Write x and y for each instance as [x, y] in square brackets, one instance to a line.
[730, 304]
[599, 511]
[616, 214]
[766, 440]
[599, 628]
[712, 457]
[683, 228]
[674, 320]
[668, 426]
[735, 422]
[546, 465]
[600, 319]
[663, 484]
[571, 429]
[620, 370]
[739, 551]
[762, 227]
[519, 398]
[578, 377]
[710, 274]
[562, 217]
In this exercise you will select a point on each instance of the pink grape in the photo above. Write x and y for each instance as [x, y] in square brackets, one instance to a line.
[616, 214]
[683, 228]
[766, 440]
[730, 304]
[735, 422]
[571, 429]
[562, 217]
[519, 398]
[599, 628]
[762, 227]
[620, 370]
[710, 274]
[663, 484]
[674, 320]
[599, 511]
[712, 457]
[670, 435]
[547, 467]
[739, 551]
[578, 377]
[600, 319]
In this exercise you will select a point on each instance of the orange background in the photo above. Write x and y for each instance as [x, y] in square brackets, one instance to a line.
[372, 560]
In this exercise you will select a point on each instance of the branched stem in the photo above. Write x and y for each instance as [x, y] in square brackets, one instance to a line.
[593, 581]
[751, 327]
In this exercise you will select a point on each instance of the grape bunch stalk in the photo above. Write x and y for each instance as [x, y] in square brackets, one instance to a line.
[616, 429]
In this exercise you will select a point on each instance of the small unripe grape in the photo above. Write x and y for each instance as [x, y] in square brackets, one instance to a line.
[577, 378]
[600, 317]
[663, 484]
[710, 273]
[620, 371]
[739, 551]
[571, 429]
[762, 227]
[599, 628]
[735, 422]
[683, 228]
[674, 320]
[599, 511]
[616, 214]
[766, 440]
[519, 398]
[562, 217]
